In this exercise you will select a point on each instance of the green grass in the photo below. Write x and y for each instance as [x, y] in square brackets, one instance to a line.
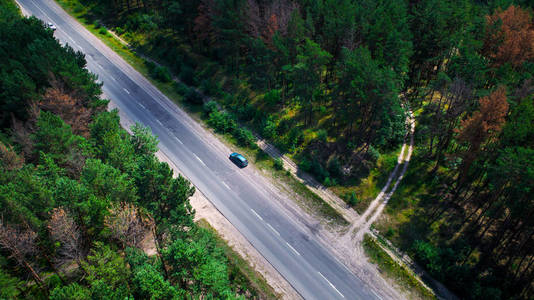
[402, 275]
[242, 272]
[368, 187]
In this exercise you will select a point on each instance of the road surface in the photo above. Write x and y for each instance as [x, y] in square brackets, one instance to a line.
[306, 264]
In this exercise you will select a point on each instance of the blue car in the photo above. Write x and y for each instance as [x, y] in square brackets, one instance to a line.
[239, 160]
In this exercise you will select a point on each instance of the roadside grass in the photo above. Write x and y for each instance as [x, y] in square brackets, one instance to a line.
[308, 200]
[368, 187]
[400, 221]
[392, 269]
[241, 272]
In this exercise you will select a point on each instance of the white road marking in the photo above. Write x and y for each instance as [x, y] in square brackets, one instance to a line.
[179, 141]
[376, 295]
[200, 160]
[99, 66]
[224, 183]
[272, 228]
[140, 104]
[161, 124]
[331, 285]
[259, 217]
[113, 79]
[294, 250]
[126, 91]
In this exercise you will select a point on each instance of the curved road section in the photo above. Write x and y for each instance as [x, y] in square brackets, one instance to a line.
[306, 264]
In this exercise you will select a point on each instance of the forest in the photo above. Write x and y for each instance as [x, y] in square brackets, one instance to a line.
[330, 82]
[79, 195]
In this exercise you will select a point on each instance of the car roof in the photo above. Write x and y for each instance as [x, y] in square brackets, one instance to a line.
[239, 156]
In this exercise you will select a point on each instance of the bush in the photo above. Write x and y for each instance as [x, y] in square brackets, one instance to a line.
[187, 75]
[351, 198]
[322, 135]
[161, 73]
[272, 98]
[210, 106]
[328, 182]
[192, 96]
[373, 154]
[269, 128]
[246, 113]
[210, 87]
[222, 122]
[103, 31]
[181, 88]
[334, 167]
[278, 164]
[245, 138]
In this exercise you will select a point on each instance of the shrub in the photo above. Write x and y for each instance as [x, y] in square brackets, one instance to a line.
[210, 106]
[161, 73]
[305, 165]
[222, 122]
[245, 138]
[187, 75]
[322, 135]
[373, 154]
[103, 31]
[246, 113]
[278, 164]
[334, 167]
[192, 96]
[119, 30]
[272, 98]
[181, 88]
[352, 200]
[269, 128]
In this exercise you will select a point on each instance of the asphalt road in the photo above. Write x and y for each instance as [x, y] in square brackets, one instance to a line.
[306, 264]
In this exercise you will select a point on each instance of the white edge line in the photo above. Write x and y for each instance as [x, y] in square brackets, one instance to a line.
[259, 217]
[331, 284]
[272, 228]
[200, 160]
[376, 295]
[126, 91]
[224, 183]
[294, 250]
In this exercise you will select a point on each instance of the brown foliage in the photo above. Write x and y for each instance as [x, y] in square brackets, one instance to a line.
[10, 159]
[203, 28]
[266, 18]
[484, 125]
[63, 229]
[510, 36]
[68, 107]
[21, 245]
[127, 225]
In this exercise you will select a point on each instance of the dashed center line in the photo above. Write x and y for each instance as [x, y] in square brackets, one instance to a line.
[140, 104]
[159, 122]
[259, 217]
[272, 228]
[179, 141]
[224, 183]
[126, 91]
[291, 247]
[331, 285]
[99, 66]
[200, 160]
